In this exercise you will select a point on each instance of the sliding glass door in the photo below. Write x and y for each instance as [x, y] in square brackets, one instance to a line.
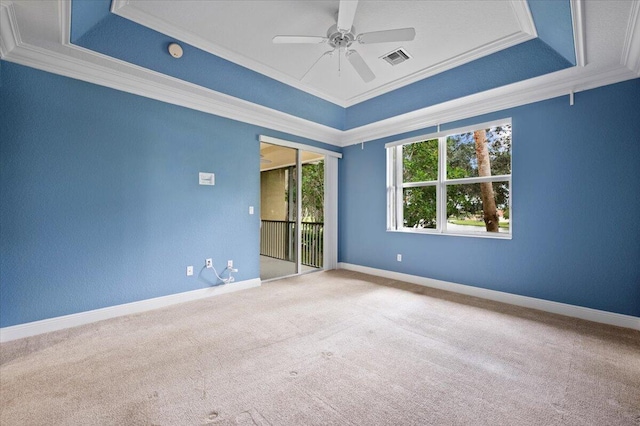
[312, 203]
[292, 211]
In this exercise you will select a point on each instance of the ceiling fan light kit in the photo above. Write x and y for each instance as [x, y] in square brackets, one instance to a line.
[342, 35]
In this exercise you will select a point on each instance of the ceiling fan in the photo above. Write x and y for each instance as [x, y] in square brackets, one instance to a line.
[342, 35]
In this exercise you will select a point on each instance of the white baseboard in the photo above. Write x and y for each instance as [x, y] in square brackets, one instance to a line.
[67, 321]
[611, 318]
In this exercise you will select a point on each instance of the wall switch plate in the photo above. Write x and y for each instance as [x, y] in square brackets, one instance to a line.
[250, 209]
[229, 263]
[399, 257]
[189, 271]
[206, 178]
[208, 263]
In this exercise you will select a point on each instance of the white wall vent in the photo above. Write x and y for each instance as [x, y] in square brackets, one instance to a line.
[396, 57]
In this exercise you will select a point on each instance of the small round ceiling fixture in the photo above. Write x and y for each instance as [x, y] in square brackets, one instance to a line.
[175, 50]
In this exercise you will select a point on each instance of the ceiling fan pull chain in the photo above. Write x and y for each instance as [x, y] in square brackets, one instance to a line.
[327, 53]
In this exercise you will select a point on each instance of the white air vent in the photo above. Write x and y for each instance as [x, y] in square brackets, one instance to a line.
[397, 56]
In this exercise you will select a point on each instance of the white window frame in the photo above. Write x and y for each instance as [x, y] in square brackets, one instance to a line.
[395, 184]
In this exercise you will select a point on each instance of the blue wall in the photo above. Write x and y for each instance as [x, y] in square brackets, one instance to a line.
[123, 39]
[520, 62]
[554, 25]
[576, 233]
[99, 197]
[99, 202]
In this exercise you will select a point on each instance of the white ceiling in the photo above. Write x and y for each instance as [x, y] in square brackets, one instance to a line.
[448, 34]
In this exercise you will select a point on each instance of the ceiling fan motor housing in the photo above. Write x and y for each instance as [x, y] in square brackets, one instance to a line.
[339, 39]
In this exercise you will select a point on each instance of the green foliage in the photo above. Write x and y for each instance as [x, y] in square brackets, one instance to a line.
[420, 207]
[420, 164]
[313, 192]
[420, 161]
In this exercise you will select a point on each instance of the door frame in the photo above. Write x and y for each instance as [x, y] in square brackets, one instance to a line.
[330, 236]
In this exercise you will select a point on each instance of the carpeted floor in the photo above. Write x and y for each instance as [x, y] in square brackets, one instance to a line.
[327, 348]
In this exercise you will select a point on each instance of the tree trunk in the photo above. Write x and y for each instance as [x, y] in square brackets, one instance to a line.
[486, 188]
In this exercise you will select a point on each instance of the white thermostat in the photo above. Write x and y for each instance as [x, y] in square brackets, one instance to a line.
[206, 178]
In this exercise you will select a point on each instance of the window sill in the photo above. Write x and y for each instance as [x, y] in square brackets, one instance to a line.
[495, 236]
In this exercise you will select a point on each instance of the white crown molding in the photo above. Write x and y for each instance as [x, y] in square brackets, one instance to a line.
[456, 61]
[74, 320]
[83, 64]
[168, 89]
[631, 49]
[119, 7]
[9, 35]
[79, 63]
[520, 8]
[527, 32]
[73, 61]
[524, 17]
[589, 314]
[525, 92]
[579, 37]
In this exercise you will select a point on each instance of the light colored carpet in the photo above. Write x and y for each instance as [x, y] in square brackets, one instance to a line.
[327, 348]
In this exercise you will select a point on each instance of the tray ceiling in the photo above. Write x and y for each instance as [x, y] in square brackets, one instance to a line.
[448, 34]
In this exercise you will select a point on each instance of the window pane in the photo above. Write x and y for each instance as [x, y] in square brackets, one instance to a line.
[486, 152]
[419, 207]
[469, 206]
[420, 161]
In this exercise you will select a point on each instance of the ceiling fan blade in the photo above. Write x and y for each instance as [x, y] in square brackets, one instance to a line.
[401, 34]
[346, 14]
[360, 66]
[282, 39]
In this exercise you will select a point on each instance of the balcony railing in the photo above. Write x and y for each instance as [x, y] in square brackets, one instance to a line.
[277, 240]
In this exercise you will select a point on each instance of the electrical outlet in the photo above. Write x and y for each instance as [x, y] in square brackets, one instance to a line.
[399, 257]
[208, 263]
[229, 263]
[189, 270]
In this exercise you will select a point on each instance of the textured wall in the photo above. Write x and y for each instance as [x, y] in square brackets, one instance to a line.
[576, 236]
[99, 197]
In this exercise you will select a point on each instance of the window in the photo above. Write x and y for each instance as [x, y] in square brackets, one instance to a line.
[455, 182]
